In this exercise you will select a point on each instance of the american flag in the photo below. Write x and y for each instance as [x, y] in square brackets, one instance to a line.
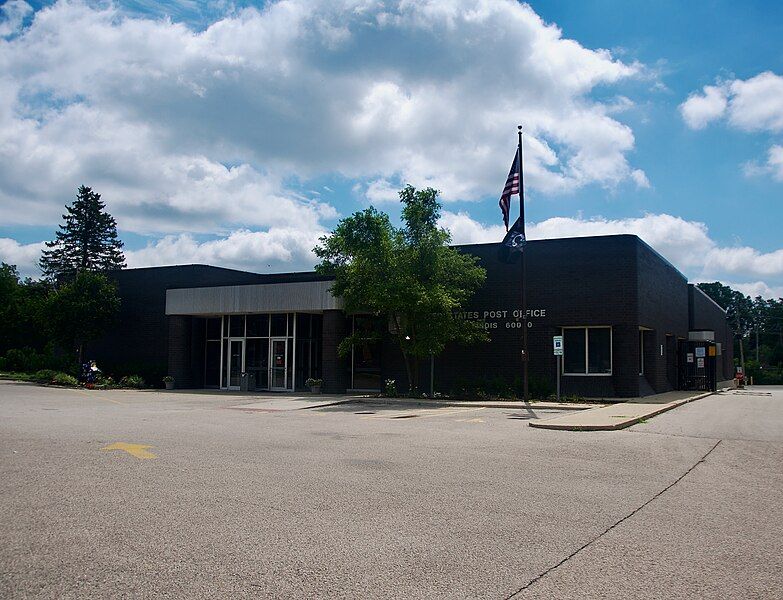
[512, 187]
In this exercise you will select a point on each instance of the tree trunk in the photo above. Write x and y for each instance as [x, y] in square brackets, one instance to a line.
[408, 370]
[415, 376]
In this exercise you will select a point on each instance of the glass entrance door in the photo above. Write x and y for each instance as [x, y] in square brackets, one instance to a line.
[234, 368]
[279, 363]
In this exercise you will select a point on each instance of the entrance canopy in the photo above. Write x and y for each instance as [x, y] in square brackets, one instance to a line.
[306, 296]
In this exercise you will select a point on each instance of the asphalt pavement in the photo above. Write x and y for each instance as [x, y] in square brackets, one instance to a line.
[196, 499]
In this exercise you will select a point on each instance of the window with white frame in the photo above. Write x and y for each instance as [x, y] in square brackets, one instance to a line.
[587, 350]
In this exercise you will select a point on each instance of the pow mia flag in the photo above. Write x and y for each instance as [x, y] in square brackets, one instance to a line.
[514, 242]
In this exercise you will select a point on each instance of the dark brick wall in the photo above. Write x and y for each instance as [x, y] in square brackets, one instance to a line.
[139, 343]
[615, 281]
[335, 369]
[705, 314]
[663, 307]
[179, 350]
[580, 281]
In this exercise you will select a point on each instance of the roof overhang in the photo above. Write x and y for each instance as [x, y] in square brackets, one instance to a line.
[307, 296]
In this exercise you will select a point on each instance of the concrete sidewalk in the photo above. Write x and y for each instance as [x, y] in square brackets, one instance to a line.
[619, 416]
[519, 404]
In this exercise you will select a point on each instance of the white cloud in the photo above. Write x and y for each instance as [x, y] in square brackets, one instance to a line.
[775, 162]
[465, 230]
[757, 103]
[23, 256]
[279, 249]
[700, 109]
[382, 190]
[12, 15]
[185, 130]
[751, 105]
[686, 244]
[758, 288]
[754, 104]
[640, 179]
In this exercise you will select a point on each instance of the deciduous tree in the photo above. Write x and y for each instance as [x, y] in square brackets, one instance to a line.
[739, 310]
[408, 276]
[82, 310]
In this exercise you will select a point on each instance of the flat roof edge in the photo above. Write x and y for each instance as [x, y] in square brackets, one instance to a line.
[695, 286]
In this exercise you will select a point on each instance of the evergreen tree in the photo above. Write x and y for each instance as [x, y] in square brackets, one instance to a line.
[86, 241]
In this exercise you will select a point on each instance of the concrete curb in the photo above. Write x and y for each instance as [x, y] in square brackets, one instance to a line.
[479, 404]
[619, 424]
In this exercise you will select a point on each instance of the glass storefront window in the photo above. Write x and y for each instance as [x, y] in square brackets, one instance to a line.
[224, 368]
[303, 325]
[599, 350]
[251, 343]
[587, 351]
[237, 326]
[213, 328]
[574, 351]
[212, 363]
[279, 322]
[257, 325]
[257, 361]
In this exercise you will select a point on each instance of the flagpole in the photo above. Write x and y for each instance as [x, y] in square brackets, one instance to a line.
[522, 269]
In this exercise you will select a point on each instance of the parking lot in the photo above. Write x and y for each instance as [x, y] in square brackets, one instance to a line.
[141, 494]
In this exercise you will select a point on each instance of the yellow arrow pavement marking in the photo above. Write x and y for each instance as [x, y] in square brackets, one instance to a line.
[137, 450]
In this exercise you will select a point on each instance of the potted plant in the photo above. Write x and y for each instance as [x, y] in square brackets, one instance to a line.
[314, 385]
[169, 381]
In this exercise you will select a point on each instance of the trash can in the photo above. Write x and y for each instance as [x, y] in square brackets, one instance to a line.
[251, 381]
[243, 382]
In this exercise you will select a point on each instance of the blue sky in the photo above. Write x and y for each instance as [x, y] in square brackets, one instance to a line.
[236, 133]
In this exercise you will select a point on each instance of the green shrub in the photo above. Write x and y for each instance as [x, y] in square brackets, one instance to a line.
[390, 388]
[540, 387]
[65, 379]
[497, 386]
[23, 359]
[44, 375]
[29, 360]
[133, 381]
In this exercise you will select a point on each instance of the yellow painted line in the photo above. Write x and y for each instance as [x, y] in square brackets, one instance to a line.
[93, 396]
[110, 400]
[470, 420]
[137, 450]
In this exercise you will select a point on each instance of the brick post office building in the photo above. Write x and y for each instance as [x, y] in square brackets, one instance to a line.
[623, 311]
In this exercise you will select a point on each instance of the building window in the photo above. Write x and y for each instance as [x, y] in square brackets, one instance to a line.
[587, 350]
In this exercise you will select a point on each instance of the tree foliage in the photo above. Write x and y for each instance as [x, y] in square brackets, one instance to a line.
[739, 307]
[408, 276]
[758, 321]
[82, 310]
[86, 241]
[21, 310]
